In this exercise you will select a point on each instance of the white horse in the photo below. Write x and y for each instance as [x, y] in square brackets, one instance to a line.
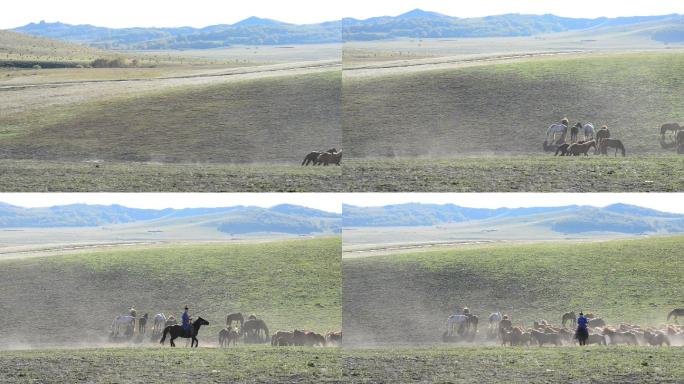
[454, 320]
[588, 131]
[159, 323]
[494, 319]
[122, 323]
[554, 129]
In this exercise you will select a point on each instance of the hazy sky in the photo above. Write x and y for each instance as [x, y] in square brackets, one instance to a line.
[667, 202]
[321, 201]
[199, 13]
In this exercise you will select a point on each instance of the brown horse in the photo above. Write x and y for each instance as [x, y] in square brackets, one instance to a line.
[577, 149]
[601, 134]
[611, 143]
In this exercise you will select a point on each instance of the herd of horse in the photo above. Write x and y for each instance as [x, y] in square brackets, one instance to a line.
[251, 330]
[463, 327]
[331, 156]
[600, 140]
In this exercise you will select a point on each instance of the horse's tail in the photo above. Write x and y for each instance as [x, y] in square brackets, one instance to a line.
[305, 158]
[266, 330]
[670, 315]
[166, 330]
[622, 147]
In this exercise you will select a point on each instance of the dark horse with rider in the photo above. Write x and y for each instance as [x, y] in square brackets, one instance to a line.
[187, 330]
[582, 333]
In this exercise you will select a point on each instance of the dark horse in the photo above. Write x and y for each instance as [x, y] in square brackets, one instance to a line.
[574, 131]
[235, 317]
[312, 157]
[582, 335]
[677, 312]
[562, 149]
[611, 143]
[176, 331]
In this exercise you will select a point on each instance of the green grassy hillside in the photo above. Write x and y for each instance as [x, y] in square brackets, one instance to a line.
[506, 108]
[17, 48]
[74, 298]
[633, 281]
[265, 120]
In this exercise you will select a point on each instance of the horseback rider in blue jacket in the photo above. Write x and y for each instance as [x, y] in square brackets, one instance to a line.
[185, 317]
[582, 321]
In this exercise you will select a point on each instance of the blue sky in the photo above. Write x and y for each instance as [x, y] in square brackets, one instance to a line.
[199, 13]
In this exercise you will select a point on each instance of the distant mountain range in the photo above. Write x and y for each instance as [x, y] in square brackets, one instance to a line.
[620, 218]
[423, 24]
[251, 31]
[290, 219]
[413, 24]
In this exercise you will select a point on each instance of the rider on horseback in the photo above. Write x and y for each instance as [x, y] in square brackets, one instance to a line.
[185, 317]
[582, 331]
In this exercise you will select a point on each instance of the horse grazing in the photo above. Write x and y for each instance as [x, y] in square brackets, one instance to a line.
[252, 329]
[677, 312]
[577, 149]
[569, 316]
[235, 317]
[312, 157]
[326, 158]
[176, 331]
[226, 336]
[611, 143]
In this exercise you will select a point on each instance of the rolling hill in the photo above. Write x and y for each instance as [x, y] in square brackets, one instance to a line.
[21, 50]
[620, 218]
[260, 119]
[405, 298]
[423, 24]
[72, 299]
[251, 31]
[235, 220]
